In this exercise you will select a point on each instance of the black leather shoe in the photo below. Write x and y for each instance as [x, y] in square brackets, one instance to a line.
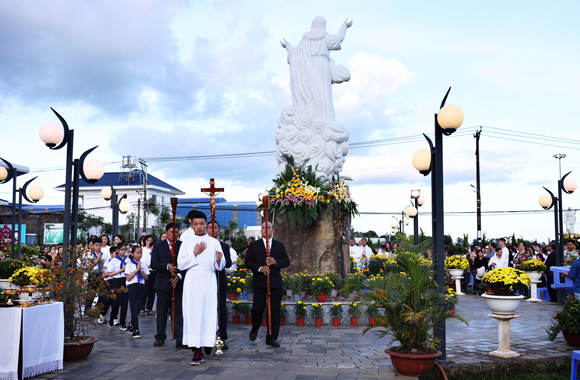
[225, 347]
[159, 342]
[180, 345]
[208, 351]
[273, 343]
[253, 335]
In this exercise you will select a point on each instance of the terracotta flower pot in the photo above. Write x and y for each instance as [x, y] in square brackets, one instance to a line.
[282, 321]
[321, 297]
[336, 322]
[413, 365]
[572, 339]
[232, 296]
[452, 311]
[264, 321]
[318, 321]
[79, 350]
[248, 320]
[236, 319]
[372, 321]
[354, 321]
[300, 321]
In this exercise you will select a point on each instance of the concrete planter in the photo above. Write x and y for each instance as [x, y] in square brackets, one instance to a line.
[502, 304]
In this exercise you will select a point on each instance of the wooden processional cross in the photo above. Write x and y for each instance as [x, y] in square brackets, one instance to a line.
[212, 191]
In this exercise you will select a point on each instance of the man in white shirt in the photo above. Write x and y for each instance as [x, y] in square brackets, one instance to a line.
[505, 253]
[365, 249]
[234, 257]
[355, 251]
[497, 261]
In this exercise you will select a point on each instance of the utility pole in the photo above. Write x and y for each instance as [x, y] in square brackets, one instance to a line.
[138, 215]
[145, 200]
[478, 183]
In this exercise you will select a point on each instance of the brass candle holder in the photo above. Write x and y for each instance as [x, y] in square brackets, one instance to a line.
[30, 289]
[9, 293]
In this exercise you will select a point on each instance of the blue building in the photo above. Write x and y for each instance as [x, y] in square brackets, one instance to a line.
[243, 213]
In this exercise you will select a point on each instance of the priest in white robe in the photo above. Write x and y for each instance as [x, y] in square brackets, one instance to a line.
[201, 256]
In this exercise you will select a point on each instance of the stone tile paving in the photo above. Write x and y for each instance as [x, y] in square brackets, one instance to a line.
[309, 352]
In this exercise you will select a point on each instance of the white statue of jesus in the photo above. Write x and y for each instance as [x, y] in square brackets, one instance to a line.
[570, 220]
[307, 129]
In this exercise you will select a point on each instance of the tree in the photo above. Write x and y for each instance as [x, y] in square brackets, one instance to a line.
[87, 221]
[371, 233]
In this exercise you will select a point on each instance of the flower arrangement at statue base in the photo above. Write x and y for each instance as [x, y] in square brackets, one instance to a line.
[299, 192]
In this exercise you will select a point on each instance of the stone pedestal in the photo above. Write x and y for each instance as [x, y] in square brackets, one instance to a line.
[503, 328]
[321, 247]
[458, 286]
[534, 292]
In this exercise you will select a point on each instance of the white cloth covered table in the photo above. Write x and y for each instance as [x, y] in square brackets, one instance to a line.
[42, 330]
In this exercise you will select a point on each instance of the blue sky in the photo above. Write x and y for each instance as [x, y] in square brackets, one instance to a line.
[178, 78]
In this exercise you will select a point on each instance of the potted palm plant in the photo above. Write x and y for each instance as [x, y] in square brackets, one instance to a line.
[317, 313]
[409, 305]
[504, 283]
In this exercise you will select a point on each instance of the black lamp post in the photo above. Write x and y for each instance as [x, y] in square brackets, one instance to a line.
[413, 212]
[36, 193]
[11, 174]
[549, 201]
[117, 205]
[427, 161]
[56, 137]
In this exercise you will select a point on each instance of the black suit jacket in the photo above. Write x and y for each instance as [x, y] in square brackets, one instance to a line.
[256, 258]
[550, 261]
[223, 280]
[160, 257]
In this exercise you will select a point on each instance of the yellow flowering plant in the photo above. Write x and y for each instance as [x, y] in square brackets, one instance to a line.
[32, 276]
[304, 195]
[456, 262]
[336, 310]
[237, 308]
[506, 281]
[354, 310]
[317, 311]
[381, 263]
[320, 285]
[300, 309]
[533, 266]
[450, 298]
[236, 285]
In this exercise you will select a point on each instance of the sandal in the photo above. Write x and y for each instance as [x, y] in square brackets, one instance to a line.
[142, 313]
[151, 313]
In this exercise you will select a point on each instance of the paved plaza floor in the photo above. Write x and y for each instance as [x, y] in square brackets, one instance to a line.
[310, 352]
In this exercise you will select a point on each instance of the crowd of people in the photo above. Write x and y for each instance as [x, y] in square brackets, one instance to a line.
[182, 277]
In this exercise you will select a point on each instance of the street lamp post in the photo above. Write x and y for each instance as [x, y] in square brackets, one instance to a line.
[5, 176]
[36, 193]
[413, 212]
[427, 161]
[56, 137]
[117, 205]
[548, 201]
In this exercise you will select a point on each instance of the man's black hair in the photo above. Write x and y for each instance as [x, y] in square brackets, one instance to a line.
[195, 214]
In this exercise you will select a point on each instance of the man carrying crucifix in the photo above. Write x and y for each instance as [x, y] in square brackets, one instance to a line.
[261, 265]
[201, 256]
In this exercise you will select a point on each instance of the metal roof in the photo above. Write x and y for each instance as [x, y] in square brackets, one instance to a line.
[117, 181]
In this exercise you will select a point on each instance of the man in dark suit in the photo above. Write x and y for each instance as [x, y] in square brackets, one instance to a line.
[162, 262]
[257, 262]
[550, 262]
[214, 231]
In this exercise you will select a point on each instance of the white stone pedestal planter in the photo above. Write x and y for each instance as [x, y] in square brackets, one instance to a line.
[503, 334]
[458, 286]
[502, 304]
[535, 276]
[534, 292]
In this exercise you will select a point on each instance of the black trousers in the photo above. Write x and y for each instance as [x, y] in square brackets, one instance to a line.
[163, 309]
[223, 312]
[551, 291]
[260, 305]
[136, 296]
[104, 300]
[121, 300]
[149, 292]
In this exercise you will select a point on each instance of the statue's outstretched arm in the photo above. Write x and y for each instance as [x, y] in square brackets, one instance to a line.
[285, 44]
[342, 32]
